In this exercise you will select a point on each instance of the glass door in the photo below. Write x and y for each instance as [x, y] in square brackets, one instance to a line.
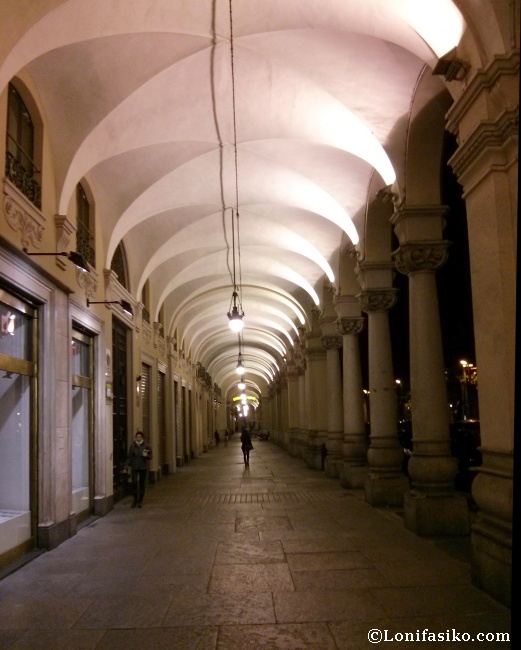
[146, 405]
[120, 404]
[82, 429]
[17, 427]
[161, 421]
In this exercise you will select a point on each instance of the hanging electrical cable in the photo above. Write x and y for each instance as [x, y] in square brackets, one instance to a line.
[235, 313]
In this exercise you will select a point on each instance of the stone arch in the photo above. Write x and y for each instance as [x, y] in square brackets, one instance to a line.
[425, 140]
[502, 22]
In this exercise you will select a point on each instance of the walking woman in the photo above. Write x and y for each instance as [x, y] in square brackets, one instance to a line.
[246, 446]
[138, 456]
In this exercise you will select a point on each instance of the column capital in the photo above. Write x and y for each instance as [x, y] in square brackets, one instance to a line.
[350, 326]
[293, 373]
[347, 306]
[377, 299]
[421, 256]
[332, 342]
[418, 223]
[492, 143]
[374, 275]
[486, 120]
[492, 90]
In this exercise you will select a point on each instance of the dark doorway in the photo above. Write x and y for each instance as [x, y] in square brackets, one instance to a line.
[119, 408]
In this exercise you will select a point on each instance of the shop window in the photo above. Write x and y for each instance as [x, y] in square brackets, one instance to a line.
[17, 407]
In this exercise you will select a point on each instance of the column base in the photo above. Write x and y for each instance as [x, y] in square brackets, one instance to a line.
[293, 447]
[103, 505]
[312, 451]
[353, 476]
[385, 489]
[312, 458]
[492, 561]
[51, 536]
[333, 467]
[491, 534]
[436, 515]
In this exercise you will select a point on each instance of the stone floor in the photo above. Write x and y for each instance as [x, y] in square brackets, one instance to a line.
[276, 556]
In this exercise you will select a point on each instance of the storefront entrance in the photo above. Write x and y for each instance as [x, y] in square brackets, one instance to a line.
[82, 364]
[120, 408]
[18, 335]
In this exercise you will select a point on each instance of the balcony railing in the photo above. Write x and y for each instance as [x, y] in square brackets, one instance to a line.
[23, 180]
[84, 245]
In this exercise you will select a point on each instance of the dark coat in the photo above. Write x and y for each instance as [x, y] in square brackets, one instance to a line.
[136, 458]
[246, 441]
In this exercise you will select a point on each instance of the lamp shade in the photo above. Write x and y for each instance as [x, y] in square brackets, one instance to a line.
[235, 320]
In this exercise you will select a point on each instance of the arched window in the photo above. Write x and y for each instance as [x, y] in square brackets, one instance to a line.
[145, 299]
[85, 229]
[119, 265]
[161, 317]
[21, 169]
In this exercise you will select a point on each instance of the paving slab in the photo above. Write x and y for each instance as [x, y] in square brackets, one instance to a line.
[277, 556]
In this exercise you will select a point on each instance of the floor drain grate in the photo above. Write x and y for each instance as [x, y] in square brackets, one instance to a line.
[258, 497]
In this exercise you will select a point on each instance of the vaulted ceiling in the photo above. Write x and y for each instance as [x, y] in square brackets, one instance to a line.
[177, 112]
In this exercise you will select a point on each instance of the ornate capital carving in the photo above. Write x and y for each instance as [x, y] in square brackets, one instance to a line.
[171, 347]
[25, 219]
[116, 291]
[88, 282]
[147, 334]
[64, 229]
[377, 299]
[332, 342]
[293, 372]
[421, 256]
[158, 333]
[162, 347]
[350, 326]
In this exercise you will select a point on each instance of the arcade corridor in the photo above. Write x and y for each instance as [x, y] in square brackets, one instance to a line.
[338, 177]
[279, 557]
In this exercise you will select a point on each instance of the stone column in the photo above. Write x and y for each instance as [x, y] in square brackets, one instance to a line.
[385, 483]
[284, 421]
[266, 413]
[273, 411]
[305, 441]
[432, 506]
[335, 425]
[293, 405]
[486, 120]
[316, 394]
[276, 410]
[302, 412]
[301, 416]
[354, 449]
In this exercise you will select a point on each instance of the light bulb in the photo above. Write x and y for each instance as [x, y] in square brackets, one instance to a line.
[236, 323]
